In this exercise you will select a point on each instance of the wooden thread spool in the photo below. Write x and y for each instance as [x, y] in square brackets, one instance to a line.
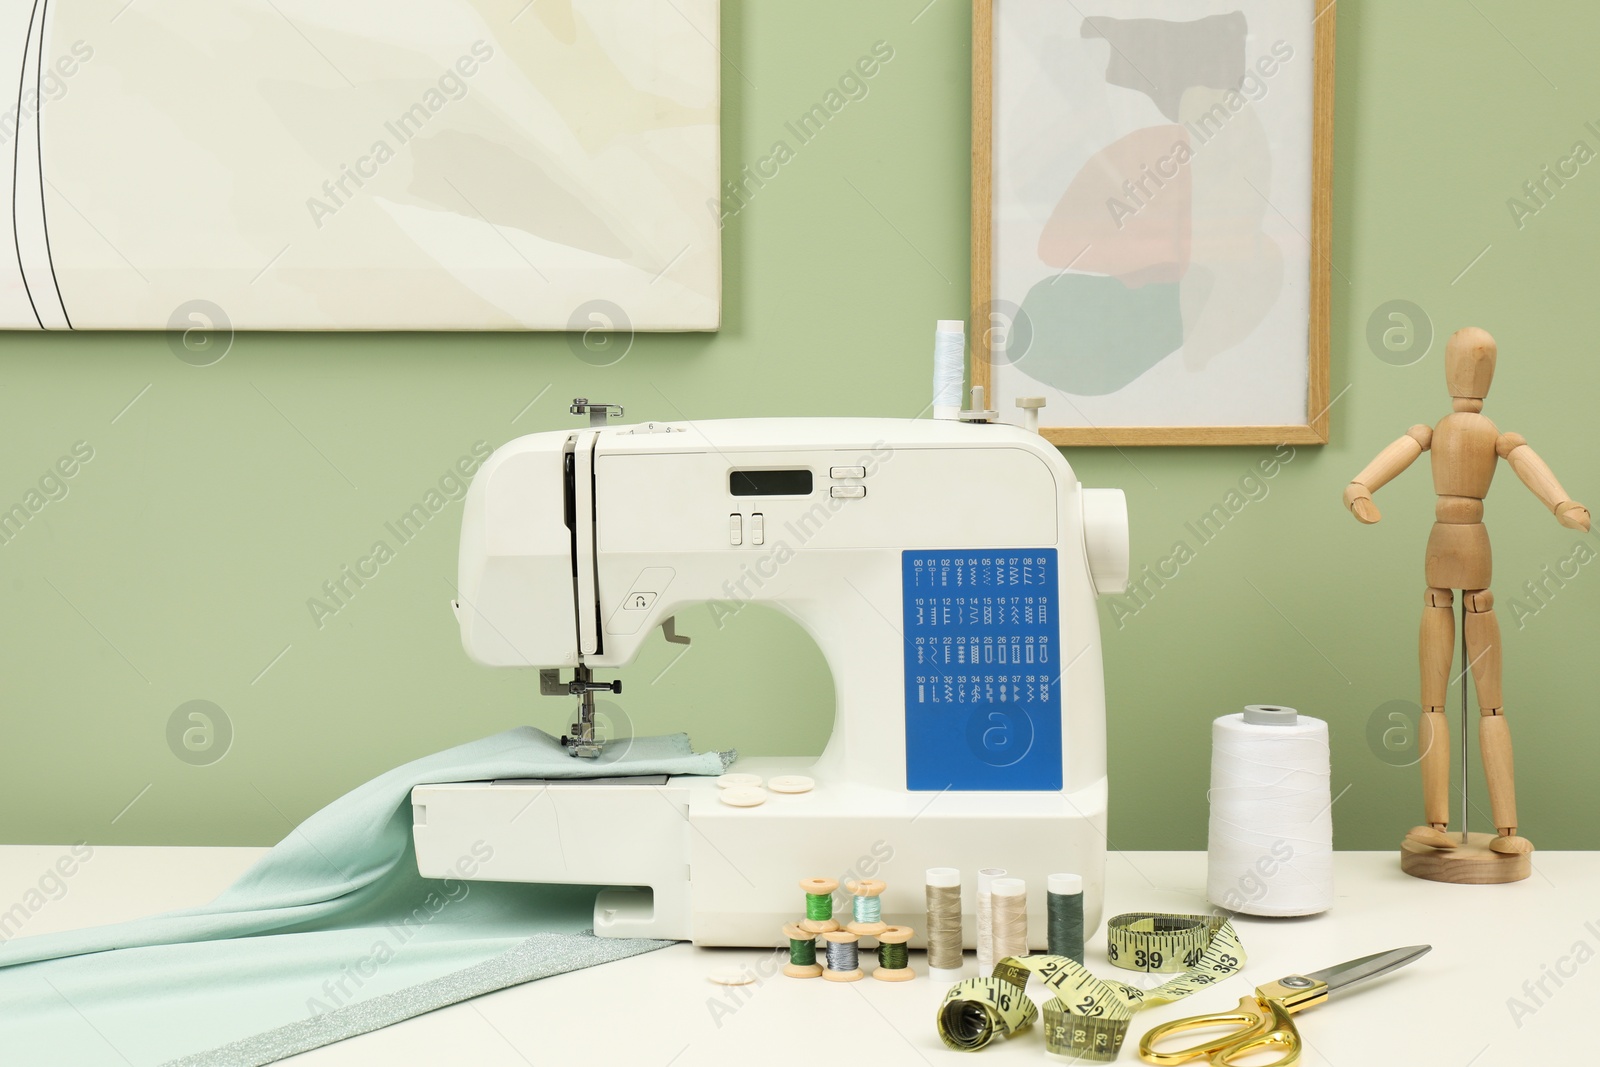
[799, 937]
[814, 888]
[842, 938]
[893, 935]
[865, 907]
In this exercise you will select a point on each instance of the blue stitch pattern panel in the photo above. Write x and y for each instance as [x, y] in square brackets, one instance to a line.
[982, 659]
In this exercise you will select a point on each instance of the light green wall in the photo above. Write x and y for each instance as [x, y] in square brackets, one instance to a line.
[180, 562]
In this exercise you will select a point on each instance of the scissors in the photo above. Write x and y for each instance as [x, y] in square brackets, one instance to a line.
[1262, 1021]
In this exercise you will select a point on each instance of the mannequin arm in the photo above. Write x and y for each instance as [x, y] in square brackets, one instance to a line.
[1383, 468]
[1537, 476]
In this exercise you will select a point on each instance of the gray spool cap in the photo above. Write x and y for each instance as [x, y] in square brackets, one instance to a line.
[1270, 715]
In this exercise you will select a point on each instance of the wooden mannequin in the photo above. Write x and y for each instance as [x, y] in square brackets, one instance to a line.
[1465, 446]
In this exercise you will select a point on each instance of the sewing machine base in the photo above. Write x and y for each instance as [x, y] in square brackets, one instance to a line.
[1471, 863]
[688, 867]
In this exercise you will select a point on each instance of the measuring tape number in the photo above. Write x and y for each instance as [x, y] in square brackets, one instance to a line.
[1088, 1017]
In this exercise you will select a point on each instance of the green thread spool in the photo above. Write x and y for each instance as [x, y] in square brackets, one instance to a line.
[802, 953]
[819, 905]
[894, 964]
[1064, 915]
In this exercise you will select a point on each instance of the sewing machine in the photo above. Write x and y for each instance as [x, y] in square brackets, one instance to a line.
[948, 573]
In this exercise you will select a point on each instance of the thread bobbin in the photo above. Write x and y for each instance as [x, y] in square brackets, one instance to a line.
[842, 937]
[893, 935]
[868, 889]
[798, 934]
[819, 887]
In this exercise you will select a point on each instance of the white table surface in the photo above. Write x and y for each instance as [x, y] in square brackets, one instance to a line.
[1452, 1008]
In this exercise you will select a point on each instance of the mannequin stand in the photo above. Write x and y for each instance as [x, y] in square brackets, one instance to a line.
[1470, 864]
[1471, 861]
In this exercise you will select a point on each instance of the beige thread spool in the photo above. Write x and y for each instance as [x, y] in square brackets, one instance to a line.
[796, 932]
[843, 937]
[894, 935]
[1010, 897]
[820, 887]
[871, 889]
[943, 891]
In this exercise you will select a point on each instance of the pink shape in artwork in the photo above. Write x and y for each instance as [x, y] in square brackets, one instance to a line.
[1127, 212]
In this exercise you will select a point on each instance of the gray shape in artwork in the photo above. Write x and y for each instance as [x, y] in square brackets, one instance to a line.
[1163, 59]
[1093, 335]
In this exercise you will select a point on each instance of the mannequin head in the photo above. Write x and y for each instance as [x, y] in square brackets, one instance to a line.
[1469, 358]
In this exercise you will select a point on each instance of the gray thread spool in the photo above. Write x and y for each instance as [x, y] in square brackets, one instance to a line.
[843, 956]
[944, 919]
[1064, 912]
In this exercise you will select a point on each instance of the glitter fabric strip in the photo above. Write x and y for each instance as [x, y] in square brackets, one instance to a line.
[540, 956]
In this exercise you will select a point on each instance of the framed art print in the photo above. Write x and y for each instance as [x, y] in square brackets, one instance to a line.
[1151, 217]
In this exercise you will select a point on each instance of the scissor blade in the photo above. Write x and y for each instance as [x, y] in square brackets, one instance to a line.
[1343, 974]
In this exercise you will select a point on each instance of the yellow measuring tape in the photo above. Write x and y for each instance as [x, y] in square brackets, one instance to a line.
[1088, 1016]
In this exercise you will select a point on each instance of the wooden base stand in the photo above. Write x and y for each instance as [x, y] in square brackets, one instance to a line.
[1472, 863]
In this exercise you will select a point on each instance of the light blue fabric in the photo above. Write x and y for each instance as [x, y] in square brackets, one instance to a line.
[333, 915]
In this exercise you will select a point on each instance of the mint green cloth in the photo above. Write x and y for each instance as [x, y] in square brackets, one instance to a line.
[332, 917]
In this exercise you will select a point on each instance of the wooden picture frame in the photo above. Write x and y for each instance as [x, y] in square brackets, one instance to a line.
[987, 330]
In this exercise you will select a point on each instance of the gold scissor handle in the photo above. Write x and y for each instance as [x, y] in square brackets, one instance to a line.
[1259, 1023]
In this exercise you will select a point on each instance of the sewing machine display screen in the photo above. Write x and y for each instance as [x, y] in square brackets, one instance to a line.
[770, 483]
[982, 662]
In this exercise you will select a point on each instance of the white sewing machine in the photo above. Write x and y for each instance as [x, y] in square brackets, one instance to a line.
[948, 573]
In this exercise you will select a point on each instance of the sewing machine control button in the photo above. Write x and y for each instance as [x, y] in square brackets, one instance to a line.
[730, 781]
[849, 492]
[848, 472]
[744, 796]
[758, 532]
[735, 529]
[638, 600]
[790, 783]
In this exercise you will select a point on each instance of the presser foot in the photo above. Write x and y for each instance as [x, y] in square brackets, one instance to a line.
[581, 742]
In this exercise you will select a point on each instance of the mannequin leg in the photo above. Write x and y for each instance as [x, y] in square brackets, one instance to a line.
[1436, 647]
[1494, 733]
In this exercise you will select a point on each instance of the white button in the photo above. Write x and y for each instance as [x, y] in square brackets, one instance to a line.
[730, 781]
[732, 976]
[744, 797]
[791, 783]
[757, 529]
[735, 529]
[849, 492]
[849, 472]
[638, 600]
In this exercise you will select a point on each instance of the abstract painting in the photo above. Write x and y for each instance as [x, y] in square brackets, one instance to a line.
[1149, 254]
[360, 164]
